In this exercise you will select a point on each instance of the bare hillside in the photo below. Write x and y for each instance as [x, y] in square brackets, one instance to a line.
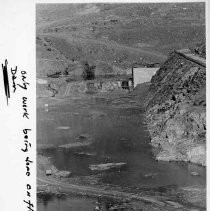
[115, 35]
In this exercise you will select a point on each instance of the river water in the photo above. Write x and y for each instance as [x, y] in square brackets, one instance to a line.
[119, 135]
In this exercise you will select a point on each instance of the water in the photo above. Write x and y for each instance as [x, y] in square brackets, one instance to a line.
[66, 204]
[118, 134]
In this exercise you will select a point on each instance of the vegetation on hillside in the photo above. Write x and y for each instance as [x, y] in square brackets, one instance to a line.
[88, 71]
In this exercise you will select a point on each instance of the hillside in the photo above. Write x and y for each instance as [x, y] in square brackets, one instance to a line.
[114, 36]
[176, 111]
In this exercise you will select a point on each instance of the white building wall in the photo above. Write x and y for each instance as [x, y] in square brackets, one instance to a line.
[142, 75]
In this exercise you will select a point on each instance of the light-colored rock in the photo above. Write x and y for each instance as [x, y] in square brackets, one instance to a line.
[174, 204]
[197, 154]
[194, 173]
[174, 129]
[190, 73]
[48, 172]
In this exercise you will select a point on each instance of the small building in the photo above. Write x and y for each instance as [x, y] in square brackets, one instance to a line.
[142, 74]
[127, 83]
[48, 172]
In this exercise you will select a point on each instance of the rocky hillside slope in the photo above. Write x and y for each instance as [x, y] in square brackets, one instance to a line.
[176, 111]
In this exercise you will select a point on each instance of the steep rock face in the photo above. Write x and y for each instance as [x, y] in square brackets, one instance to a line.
[176, 111]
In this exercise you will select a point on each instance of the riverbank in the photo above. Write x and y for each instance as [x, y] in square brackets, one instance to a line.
[165, 198]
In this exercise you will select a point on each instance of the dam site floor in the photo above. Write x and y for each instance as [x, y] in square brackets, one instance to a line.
[112, 123]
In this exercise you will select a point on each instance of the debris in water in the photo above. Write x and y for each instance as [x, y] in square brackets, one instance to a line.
[76, 145]
[106, 166]
[62, 128]
[85, 154]
[194, 173]
[83, 136]
[150, 175]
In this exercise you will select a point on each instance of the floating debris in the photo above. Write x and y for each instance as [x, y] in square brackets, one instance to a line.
[85, 154]
[62, 128]
[194, 173]
[150, 175]
[106, 166]
[76, 144]
[83, 136]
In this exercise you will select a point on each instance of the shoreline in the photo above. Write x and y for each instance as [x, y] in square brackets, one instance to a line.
[171, 199]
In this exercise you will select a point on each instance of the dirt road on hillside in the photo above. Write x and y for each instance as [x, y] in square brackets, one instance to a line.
[159, 56]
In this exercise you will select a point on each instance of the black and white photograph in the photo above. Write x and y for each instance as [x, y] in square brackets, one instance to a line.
[104, 105]
[121, 106]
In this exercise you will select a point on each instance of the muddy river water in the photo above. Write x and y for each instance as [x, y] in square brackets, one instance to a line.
[118, 134]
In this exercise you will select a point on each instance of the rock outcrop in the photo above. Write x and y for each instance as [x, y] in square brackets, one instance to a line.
[176, 111]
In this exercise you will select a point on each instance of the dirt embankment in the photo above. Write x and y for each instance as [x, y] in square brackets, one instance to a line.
[176, 111]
